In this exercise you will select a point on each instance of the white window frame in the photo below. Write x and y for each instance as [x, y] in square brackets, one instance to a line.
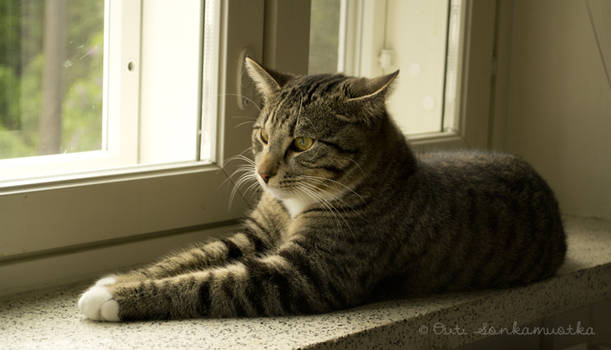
[145, 118]
[40, 218]
[362, 39]
[122, 41]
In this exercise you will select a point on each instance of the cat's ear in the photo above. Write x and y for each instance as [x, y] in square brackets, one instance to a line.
[366, 97]
[268, 82]
[363, 89]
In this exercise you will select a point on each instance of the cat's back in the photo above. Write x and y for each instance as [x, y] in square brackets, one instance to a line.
[492, 175]
[489, 184]
[476, 168]
[482, 220]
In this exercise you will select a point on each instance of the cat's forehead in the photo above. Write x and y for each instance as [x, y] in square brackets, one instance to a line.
[305, 98]
[306, 90]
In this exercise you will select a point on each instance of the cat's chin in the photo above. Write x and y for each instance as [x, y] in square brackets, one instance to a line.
[278, 194]
[293, 204]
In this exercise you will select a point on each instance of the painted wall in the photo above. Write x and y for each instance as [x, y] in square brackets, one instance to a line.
[554, 98]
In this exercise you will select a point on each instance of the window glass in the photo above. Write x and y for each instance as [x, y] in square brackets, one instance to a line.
[421, 38]
[324, 36]
[415, 40]
[104, 85]
[51, 77]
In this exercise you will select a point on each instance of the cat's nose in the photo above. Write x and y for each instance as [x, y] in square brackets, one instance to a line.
[265, 176]
[267, 167]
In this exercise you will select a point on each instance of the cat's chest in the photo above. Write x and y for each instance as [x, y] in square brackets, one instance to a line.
[296, 206]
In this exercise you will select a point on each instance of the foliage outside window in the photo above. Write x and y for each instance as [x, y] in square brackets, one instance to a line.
[51, 76]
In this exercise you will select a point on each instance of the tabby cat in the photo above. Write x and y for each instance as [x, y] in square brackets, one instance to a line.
[348, 211]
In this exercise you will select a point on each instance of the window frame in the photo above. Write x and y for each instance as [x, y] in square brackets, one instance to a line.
[122, 41]
[117, 204]
[365, 20]
[475, 77]
[81, 225]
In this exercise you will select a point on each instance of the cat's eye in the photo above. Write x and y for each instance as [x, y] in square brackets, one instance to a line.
[264, 136]
[303, 143]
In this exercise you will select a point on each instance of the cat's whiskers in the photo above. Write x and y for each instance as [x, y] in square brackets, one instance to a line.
[238, 183]
[338, 199]
[311, 190]
[340, 221]
[254, 185]
[247, 172]
[247, 149]
[242, 96]
[244, 123]
[240, 156]
[323, 180]
[244, 117]
[244, 158]
[357, 165]
[346, 206]
[330, 194]
[240, 170]
[312, 194]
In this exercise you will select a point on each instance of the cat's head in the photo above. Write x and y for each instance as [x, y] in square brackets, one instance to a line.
[314, 132]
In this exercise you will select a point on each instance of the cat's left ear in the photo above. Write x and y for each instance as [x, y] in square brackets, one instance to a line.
[367, 97]
[268, 82]
[363, 89]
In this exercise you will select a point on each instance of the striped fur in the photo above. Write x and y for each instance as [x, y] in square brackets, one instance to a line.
[368, 218]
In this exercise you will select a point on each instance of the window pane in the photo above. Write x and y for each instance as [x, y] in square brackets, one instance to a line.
[369, 38]
[89, 86]
[324, 36]
[51, 70]
[169, 95]
[416, 35]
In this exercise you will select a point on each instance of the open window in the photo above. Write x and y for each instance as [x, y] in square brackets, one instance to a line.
[430, 41]
[163, 110]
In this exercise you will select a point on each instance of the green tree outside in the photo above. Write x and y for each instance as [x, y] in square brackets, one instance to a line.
[21, 66]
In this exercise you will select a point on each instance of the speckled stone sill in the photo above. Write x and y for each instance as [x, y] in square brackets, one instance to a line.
[49, 319]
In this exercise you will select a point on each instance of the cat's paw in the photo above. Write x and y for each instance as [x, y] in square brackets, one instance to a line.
[97, 304]
[106, 281]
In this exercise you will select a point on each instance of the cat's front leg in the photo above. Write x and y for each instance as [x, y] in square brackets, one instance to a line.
[167, 298]
[97, 304]
[290, 282]
[147, 299]
[254, 238]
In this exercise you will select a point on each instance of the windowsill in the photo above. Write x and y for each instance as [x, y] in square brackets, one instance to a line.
[50, 319]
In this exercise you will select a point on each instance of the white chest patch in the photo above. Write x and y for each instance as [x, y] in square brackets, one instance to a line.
[297, 205]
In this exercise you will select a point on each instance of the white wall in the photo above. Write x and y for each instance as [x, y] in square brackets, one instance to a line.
[554, 101]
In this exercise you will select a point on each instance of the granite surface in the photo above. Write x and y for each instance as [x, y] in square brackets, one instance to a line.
[50, 319]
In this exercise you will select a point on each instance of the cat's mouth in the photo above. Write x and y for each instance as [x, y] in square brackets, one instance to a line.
[271, 189]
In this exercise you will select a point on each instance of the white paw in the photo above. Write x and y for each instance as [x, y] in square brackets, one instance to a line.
[97, 304]
[108, 280]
